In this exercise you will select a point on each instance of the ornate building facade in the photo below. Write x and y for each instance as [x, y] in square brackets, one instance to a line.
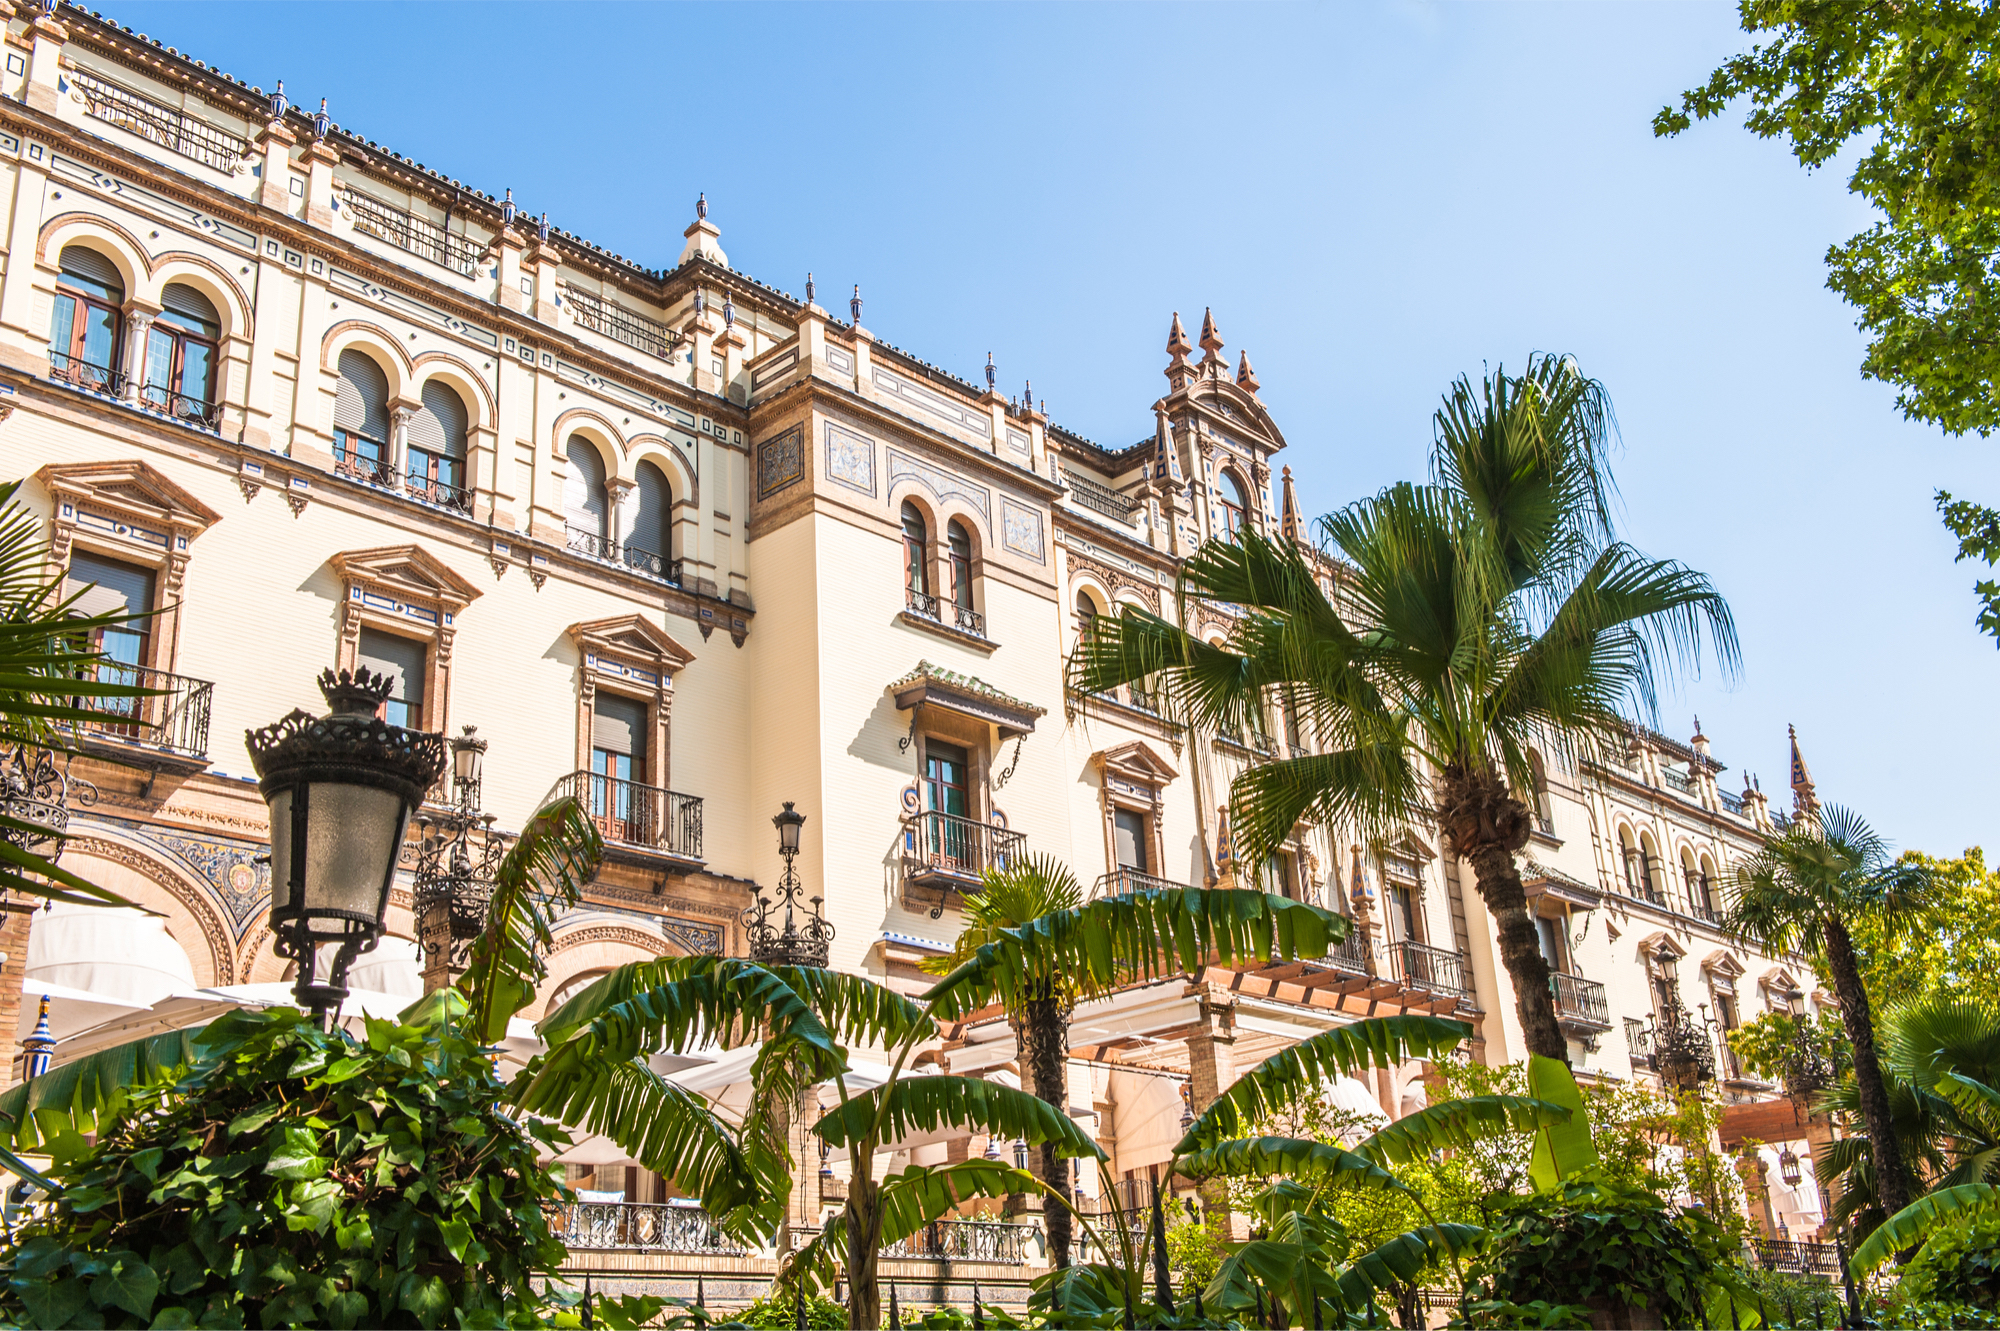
[689, 547]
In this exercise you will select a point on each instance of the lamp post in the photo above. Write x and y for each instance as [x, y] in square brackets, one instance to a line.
[458, 860]
[1683, 1053]
[35, 794]
[1808, 1065]
[341, 789]
[1788, 1167]
[806, 939]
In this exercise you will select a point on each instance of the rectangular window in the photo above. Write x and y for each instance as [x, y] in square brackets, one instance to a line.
[1402, 913]
[120, 589]
[407, 664]
[1128, 833]
[947, 773]
[618, 729]
[1550, 933]
[1278, 875]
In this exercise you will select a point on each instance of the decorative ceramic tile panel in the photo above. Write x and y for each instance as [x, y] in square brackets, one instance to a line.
[1021, 530]
[781, 462]
[943, 484]
[850, 459]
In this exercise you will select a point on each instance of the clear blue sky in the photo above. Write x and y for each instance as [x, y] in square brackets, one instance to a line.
[1372, 198]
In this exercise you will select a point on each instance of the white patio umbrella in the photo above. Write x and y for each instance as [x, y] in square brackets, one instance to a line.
[70, 1010]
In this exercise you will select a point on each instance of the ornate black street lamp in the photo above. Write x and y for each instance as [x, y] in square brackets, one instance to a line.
[806, 939]
[1808, 1064]
[1788, 1167]
[1683, 1053]
[341, 789]
[37, 792]
[458, 859]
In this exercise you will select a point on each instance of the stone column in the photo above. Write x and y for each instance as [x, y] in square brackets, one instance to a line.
[400, 417]
[1211, 1071]
[138, 324]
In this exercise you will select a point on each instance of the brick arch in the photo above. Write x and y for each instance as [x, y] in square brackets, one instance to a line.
[153, 883]
[123, 247]
[449, 369]
[207, 277]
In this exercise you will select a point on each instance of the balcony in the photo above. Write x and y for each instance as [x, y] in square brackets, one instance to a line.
[620, 324]
[171, 725]
[418, 235]
[83, 374]
[183, 407]
[1125, 879]
[167, 126]
[643, 821]
[640, 1227]
[1100, 498]
[646, 563]
[1431, 969]
[948, 853]
[1581, 1005]
[1639, 1039]
[995, 1241]
[950, 614]
[440, 494]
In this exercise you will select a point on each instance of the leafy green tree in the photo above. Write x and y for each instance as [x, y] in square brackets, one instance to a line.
[1908, 84]
[1445, 630]
[1801, 892]
[1765, 1042]
[1027, 888]
[1957, 952]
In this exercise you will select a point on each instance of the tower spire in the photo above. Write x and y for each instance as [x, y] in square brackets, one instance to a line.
[1246, 378]
[1805, 800]
[1288, 507]
[1211, 341]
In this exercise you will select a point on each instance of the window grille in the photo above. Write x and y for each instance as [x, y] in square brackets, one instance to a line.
[162, 124]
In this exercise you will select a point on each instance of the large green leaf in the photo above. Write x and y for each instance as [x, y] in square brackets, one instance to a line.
[1138, 936]
[1403, 1259]
[1299, 1071]
[1916, 1222]
[1977, 1101]
[71, 1095]
[909, 1200]
[1255, 1157]
[1562, 1149]
[1295, 1273]
[542, 874]
[912, 1105]
[1457, 1123]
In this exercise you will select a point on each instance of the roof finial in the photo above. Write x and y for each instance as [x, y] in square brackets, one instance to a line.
[1211, 341]
[809, 288]
[701, 208]
[278, 103]
[542, 229]
[1246, 378]
[1178, 345]
[1805, 800]
[321, 122]
[854, 305]
[507, 209]
[728, 311]
[991, 386]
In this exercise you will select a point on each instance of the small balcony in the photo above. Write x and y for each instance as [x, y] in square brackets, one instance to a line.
[1581, 1005]
[440, 494]
[86, 375]
[1639, 1039]
[644, 822]
[1125, 879]
[646, 563]
[950, 614]
[948, 853]
[169, 728]
[183, 407]
[1429, 969]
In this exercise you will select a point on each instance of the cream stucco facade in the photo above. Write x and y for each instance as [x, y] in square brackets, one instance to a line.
[651, 532]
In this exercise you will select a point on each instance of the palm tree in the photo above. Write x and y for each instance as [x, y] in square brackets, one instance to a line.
[1940, 1061]
[1027, 888]
[1798, 894]
[1458, 624]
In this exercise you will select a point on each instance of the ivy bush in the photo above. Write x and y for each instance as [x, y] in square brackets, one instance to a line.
[1599, 1241]
[292, 1177]
[1959, 1266]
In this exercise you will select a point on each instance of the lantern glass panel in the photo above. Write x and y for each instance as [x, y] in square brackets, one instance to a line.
[353, 835]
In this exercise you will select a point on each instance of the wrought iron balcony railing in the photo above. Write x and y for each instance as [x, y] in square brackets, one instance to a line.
[994, 1241]
[1579, 1000]
[1124, 879]
[182, 407]
[631, 814]
[174, 719]
[1638, 1039]
[646, 563]
[457, 498]
[640, 1226]
[360, 467]
[419, 235]
[945, 844]
[620, 324]
[165, 125]
[1420, 966]
[1799, 1257]
[80, 373]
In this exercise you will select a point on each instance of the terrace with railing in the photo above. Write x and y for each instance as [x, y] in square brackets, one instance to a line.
[640, 1227]
[619, 324]
[173, 721]
[638, 817]
[949, 851]
[1100, 498]
[997, 1241]
[1124, 879]
[168, 126]
[1434, 969]
[1580, 1002]
[419, 235]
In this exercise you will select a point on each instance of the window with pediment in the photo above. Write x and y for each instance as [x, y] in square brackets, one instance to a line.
[399, 615]
[1133, 782]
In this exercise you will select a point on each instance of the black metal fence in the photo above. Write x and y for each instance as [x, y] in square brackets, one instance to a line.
[947, 843]
[174, 719]
[640, 1226]
[638, 815]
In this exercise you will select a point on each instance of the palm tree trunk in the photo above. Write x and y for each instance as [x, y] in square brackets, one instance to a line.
[1893, 1185]
[1487, 825]
[864, 1242]
[1044, 1030]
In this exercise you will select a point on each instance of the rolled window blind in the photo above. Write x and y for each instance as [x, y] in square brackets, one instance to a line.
[120, 587]
[440, 427]
[401, 659]
[618, 725]
[361, 404]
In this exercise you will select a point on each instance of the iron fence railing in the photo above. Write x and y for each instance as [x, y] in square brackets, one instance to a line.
[1352, 954]
[1677, 780]
[373, 471]
[419, 235]
[967, 620]
[1580, 999]
[1099, 497]
[183, 407]
[1639, 1039]
[641, 1226]
[1797, 1256]
[638, 815]
[935, 842]
[80, 373]
[457, 498]
[1420, 966]
[1733, 803]
[996, 1241]
[620, 324]
[647, 563]
[174, 719]
[165, 125]
[1124, 879]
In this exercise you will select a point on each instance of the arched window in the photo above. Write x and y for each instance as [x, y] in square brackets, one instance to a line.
[83, 331]
[361, 419]
[1629, 852]
[180, 356]
[1539, 777]
[1235, 507]
[437, 449]
[958, 543]
[1086, 614]
[584, 507]
[1651, 871]
[1288, 708]
[1702, 890]
[916, 560]
[649, 546]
